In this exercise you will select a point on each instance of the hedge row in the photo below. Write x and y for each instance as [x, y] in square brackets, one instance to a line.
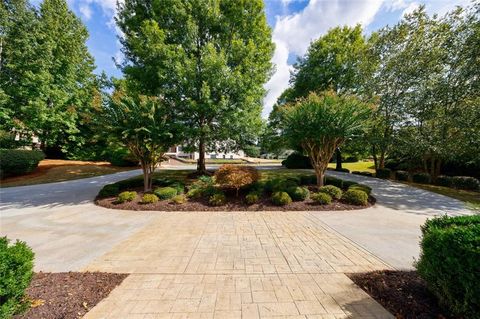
[18, 162]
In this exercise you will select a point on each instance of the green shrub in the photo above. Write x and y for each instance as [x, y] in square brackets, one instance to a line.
[16, 271]
[165, 192]
[257, 187]
[322, 198]
[18, 162]
[351, 159]
[308, 179]
[401, 175]
[204, 186]
[383, 173]
[179, 199]
[130, 183]
[331, 190]
[180, 187]
[369, 174]
[252, 198]
[355, 197]
[109, 190]
[361, 187]
[333, 181]
[421, 178]
[443, 180]
[126, 197]
[149, 199]
[343, 170]
[279, 185]
[121, 157]
[281, 198]
[298, 193]
[449, 263]
[466, 182]
[347, 184]
[217, 199]
[296, 160]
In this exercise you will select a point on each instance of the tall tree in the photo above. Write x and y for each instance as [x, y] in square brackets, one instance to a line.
[209, 58]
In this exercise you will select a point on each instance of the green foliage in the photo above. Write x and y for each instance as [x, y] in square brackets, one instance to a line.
[361, 187]
[383, 173]
[449, 263]
[331, 190]
[297, 160]
[217, 199]
[178, 186]
[444, 180]
[126, 197]
[251, 150]
[109, 190]
[149, 199]
[322, 198]
[281, 198]
[179, 199]
[298, 193]
[334, 181]
[347, 184]
[369, 174]
[16, 271]
[165, 192]
[203, 187]
[421, 178]
[279, 184]
[121, 157]
[252, 198]
[343, 170]
[355, 197]
[18, 162]
[401, 175]
[308, 179]
[466, 182]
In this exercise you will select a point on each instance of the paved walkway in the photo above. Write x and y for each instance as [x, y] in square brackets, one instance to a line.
[231, 264]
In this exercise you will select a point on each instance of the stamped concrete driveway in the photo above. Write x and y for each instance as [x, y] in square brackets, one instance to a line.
[231, 264]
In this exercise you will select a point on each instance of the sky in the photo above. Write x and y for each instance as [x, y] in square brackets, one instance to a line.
[295, 23]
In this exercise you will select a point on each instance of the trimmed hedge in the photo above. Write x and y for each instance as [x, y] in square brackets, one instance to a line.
[466, 182]
[322, 198]
[355, 197]
[383, 173]
[296, 160]
[149, 199]
[16, 271]
[333, 181]
[421, 178]
[344, 170]
[308, 179]
[449, 263]
[443, 180]
[126, 197]
[252, 198]
[347, 184]
[401, 175]
[165, 192]
[363, 188]
[18, 162]
[369, 174]
[331, 190]
[281, 199]
[298, 194]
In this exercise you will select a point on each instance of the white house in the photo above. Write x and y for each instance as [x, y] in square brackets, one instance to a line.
[177, 151]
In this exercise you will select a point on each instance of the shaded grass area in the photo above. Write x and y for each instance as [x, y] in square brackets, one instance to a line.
[50, 171]
[362, 166]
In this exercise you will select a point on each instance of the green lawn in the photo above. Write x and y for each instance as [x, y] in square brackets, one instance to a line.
[362, 166]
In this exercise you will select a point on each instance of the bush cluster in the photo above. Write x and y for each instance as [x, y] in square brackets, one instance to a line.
[18, 162]
[252, 198]
[236, 176]
[308, 179]
[149, 199]
[355, 197]
[109, 190]
[121, 157]
[331, 190]
[333, 181]
[16, 271]
[322, 198]
[466, 182]
[165, 192]
[203, 187]
[344, 170]
[217, 199]
[297, 160]
[347, 184]
[421, 178]
[369, 174]
[360, 187]
[179, 199]
[401, 175]
[443, 180]
[126, 197]
[449, 262]
[298, 193]
[383, 173]
[281, 198]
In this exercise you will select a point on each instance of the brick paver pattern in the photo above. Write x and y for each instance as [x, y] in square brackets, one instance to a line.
[237, 265]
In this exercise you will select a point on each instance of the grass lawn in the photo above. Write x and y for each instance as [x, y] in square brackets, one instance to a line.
[49, 171]
[362, 166]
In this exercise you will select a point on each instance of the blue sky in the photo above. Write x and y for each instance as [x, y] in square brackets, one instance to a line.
[295, 24]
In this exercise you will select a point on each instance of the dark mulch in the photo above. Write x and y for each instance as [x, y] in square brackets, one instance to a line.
[68, 295]
[233, 204]
[403, 293]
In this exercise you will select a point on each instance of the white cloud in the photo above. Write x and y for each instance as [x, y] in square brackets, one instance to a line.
[410, 8]
[85, 11]
[293, 34]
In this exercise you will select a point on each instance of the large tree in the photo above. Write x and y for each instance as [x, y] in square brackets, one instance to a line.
[209, 58]
[322, 123]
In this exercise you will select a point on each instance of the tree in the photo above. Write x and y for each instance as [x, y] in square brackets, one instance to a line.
[322, 123]
[208, 58]
[145, 125]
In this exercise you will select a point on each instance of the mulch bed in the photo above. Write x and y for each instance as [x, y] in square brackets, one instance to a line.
[233, 204]
[68, 295]
[403, 293]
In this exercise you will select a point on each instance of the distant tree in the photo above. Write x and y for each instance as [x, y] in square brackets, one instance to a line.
[209, 58]
[322, 123]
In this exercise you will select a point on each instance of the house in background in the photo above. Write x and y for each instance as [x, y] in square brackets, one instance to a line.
[177, 151]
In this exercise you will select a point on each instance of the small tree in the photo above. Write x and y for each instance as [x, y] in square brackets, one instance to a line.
[236, 176]
[146, 125]
[321, 123]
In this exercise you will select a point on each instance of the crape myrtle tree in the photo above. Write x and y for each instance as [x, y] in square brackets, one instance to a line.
[146, 125]
[322, 122]
[208, 58]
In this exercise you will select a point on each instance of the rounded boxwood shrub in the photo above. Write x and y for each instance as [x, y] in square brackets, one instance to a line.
[109, 190]
[298, 193]
[322, 198]
[252, 198]
[297, 160]
[333, 181]
[281, 198]
[331, 190]
[466, 182]
[179, 199]
[126, 197]
[217, 199]
[383, 173]
[361, 187]
[355, 197]
[401, 175]
[449, 263]
[19, 162]
[149, 199]
[165, 192]
[443, 180]
[16, 271]
[347, 184]
[421, 178]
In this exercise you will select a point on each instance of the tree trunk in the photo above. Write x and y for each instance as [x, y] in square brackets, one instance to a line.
[338, 154]
[381, 163]
[320, 177]
[201, 168]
